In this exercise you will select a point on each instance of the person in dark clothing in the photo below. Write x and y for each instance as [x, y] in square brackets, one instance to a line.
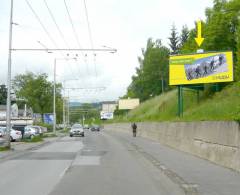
[205, 69]
[212, 65]
[134, 129]
[220, 60]
[197, 71]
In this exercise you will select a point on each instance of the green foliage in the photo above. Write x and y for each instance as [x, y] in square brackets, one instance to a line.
[5, 148]
[174, 40]
[223, 105]
[86, 111]
[34, 139]
[221, 31]
[3, 94]
[38, 93]
[153, 68]
[184, 36]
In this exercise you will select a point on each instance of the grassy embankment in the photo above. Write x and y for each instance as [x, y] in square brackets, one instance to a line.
[223, 105]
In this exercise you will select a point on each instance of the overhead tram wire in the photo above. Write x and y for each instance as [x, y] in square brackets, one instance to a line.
[71, 21]
[39, 20]
[90, 35]
[57, 26]
[55, 22]
[44, 28]
[74, 30]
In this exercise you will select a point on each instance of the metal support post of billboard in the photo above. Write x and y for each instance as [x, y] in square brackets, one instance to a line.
[180, 101]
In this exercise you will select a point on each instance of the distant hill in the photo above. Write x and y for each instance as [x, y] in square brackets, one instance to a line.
[75, 104]
[79, 104]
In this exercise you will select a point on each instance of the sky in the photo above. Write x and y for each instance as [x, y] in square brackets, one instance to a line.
[124, 25]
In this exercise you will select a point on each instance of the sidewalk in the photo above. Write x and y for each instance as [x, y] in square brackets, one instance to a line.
[19, 147]
[209, 179]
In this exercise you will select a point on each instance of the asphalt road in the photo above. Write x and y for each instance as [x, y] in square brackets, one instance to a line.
[107, 163]
[97, 164]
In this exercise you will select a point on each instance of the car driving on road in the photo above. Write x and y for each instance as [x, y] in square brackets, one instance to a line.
[76, 129]
[95, 128]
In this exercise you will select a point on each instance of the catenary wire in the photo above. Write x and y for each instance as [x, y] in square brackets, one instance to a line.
[44, 28]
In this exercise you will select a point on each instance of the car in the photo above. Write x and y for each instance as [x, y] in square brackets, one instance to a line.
[76, 129]
[95, 128]
[30, 132]
[15, 135]
[86, 127]
[2, 131]
[39, 130]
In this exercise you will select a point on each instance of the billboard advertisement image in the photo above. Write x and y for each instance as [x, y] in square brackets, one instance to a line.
[128, 104]
[201, 68]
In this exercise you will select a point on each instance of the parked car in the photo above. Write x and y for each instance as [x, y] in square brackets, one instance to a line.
[39, 130]
[19, 128]
[30, 132]
[95, 128]
[2, 131]
[76, 129]
[86, 127]
[15, 135]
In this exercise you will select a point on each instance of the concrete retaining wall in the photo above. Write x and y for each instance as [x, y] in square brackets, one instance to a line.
[218, 142]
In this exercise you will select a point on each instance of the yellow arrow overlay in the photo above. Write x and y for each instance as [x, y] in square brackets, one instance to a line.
[199, 38]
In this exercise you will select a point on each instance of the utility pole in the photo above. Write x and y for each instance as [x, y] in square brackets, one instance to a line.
[8, 114]
[54, 98]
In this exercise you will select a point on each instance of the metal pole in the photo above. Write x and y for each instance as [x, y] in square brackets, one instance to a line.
[179, 101]
[68, 109]
[54, 98]
[64, 119]
[63, 113]
[9, 78]
[162, 85]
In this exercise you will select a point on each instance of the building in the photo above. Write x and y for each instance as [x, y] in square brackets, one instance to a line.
[109, 106]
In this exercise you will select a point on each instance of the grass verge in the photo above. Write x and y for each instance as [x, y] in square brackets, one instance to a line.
[34, 139]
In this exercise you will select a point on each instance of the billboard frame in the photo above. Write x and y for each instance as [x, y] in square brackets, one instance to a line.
[181, 86]
[205, 52]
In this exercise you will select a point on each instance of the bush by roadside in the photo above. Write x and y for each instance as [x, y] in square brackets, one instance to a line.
[4, 148]
[34, 139]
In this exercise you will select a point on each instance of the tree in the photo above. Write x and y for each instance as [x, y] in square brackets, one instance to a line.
[3, 94]
[184, 36]
[174, 40]
[153, 68]
[38, 93]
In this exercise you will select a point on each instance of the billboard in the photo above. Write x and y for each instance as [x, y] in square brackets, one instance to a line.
[128, 104]
[48, 118]
[106, 115]
[201, 68]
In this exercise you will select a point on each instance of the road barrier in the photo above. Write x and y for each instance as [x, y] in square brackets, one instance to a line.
[216, 141]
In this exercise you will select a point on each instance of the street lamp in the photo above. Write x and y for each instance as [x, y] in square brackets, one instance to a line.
[54, 90]
[8, 122]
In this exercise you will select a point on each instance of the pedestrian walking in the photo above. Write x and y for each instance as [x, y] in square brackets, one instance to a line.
[134, 129]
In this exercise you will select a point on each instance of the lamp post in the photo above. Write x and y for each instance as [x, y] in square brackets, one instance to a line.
[54, 91]
[8, 114]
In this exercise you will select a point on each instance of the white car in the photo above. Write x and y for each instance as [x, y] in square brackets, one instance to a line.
[76, 129]
[29, 132]
[14, 134]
